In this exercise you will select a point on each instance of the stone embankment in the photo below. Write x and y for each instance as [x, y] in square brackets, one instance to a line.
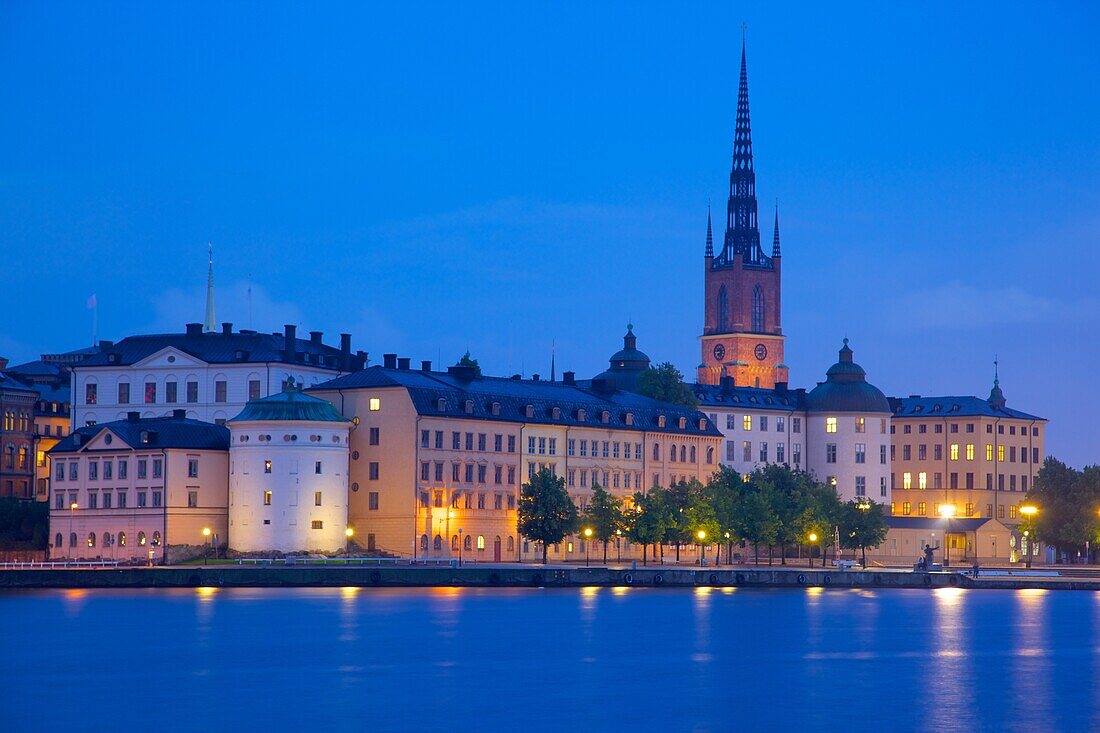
[519, 576]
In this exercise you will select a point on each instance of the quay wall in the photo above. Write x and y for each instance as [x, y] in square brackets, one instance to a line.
[518, 576]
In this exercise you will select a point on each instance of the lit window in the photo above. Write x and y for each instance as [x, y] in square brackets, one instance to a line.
[969, 451]
[989, 451]
[267, 498]
[481, 542]
[316, 498]
[907, 481]
[375, 404]
[317, 524]
[746, 422]
[954, 451]
[830, 425]
[267, 466]
[922, 480]
[861, 425]
[1001, 453]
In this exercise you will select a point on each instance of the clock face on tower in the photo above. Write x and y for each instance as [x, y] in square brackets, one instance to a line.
[719, 352]
[761, 352]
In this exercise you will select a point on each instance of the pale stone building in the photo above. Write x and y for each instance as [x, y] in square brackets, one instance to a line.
[288, 475]
[128, 489]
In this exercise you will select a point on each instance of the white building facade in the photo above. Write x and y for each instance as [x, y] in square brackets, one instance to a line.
[210, 375]
[288, 480]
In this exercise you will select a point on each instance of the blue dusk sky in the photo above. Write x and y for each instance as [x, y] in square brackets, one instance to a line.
[432, 177]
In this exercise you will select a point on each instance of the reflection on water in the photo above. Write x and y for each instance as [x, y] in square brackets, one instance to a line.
[543, 659]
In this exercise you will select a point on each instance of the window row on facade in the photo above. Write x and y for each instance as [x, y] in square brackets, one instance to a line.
[907, 428]
[113, 499]
[968, 451]
[106, 540]
[69, 470]
[152, 393]
[967, 510]
[969, 478]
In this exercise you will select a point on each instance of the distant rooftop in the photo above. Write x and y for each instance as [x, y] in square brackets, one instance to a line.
[174, 431]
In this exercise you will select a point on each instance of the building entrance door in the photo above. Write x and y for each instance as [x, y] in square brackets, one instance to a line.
[496, 550]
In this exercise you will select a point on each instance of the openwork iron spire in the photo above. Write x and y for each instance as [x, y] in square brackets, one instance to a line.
[709, 252]
[742, 229]
[775, 236]
[209, 322]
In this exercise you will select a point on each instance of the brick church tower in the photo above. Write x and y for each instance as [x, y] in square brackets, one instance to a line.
[742, 335]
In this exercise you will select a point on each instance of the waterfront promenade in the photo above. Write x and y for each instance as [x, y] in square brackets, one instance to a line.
[302, 574]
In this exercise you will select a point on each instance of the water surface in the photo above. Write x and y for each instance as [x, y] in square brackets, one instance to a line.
[556, 660]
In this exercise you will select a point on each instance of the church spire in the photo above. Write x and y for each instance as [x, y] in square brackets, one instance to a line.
[742, 230]
[709, 251]
[208, 323]
[775, 236]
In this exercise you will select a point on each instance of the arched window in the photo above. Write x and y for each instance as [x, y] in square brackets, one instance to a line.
[758, 309]
[710, 454]
[511, 543]
[156, 539]
[467, 543]
[141, 539]
[91, 539]
[72, 539]
[481, 542]
[672, 454]
[57, 540]
[693, 454]
[106, 539]
[424, 542]
[121, 539]
[437, 543]
[656, 452]
[723, 309]
[454, 542]
[683, 453]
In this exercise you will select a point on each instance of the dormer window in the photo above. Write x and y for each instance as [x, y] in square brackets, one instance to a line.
[556, 413]
[605, 417]
[469, 407]
[580, 414]
[702, 423]
[441, 404]
[630, 418]
[660, 421]
[683, 421]
[529, 411]
[495, 409]
[144, 437]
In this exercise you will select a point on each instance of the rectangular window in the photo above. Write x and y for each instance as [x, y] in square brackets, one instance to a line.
[922, 451]
[780, 424]
[93, 470]
[481, 473]
[511, 444]
[615, 449]
[937, 451]
[481, 501]
[731, 422]
[969, 480]
[372, 501]
[906, 452]
[796, 425]
[58, 500]
[746, 451]
[108, 470]
[954, 451]
[142, 465]
[882, 454]
[584, 448]
[192, 499]
[906, 508]
[882, 486]
[955, 428]
[316, 498]
[317, 467]
[498, 475]
[267, 466]
[439, 470]
[253, 389]
[454, 472]
[1000, 453]
[498, 442]
[425, 470]
[796, 453]
[763, 452]
[907, 429]
[861, 486]
[907, 480]
[570, 447]
[141, 498]
[780, 453]
[93, 500]
[192, 468]
[861, 425]
[123, 393]
[763, 422]
[469, 441]
[170, 395]
[156, 498]
[106, 499]
[469, 473]
[953, 480]
[267, 497]
[317, 524]
[374, 404]
[605, 447]
[969, 451]
[1034, 455]
[481, 441]
[192, 392]
[830, 452]
[830, 425]
[861, 452]
[1011, 511]
[121, 499]
[498, 501]
[746, 422]
[922, 508]
[220, 391]
[90, 394]
[372, 471]
[425, 438]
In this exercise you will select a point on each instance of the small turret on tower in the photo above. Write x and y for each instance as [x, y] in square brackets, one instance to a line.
[775, 236]
[210, 322]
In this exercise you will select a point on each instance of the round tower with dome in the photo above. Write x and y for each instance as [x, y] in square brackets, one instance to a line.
[288, 474]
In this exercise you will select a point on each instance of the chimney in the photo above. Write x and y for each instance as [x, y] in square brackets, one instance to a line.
[569, 378]
[227, 328]
[345, 343]
[194, 330]
[462, 373]
[290, 345]
[726, 383]
[781, 387]
[534, 377]
[133, 416]
[403, 363]
[603, 386]
[179, 414]
[389, 361]
[425, 366]
[104, 344]
[315, 337]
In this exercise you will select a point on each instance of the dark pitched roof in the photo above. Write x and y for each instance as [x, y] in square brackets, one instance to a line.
[846, 389]
[11, 384]
[218, 347]
[163, 432]
[754, 398]
[37, 368]
[936, 524]
[290, 404]
[514, 395]
[953, 406]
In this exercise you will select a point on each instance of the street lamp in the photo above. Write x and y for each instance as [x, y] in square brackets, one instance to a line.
[72, 510]
[813, 540]
[348, 534]
[206, 540]
[1029, 512]
[618, 545]
[947, 511]
[702, 535]
[460, 545]
[587, 543]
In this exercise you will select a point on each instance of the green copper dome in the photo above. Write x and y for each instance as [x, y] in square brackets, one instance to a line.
[290, 404]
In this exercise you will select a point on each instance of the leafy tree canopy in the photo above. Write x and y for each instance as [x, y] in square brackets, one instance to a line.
[664, 382]
[546, 513]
